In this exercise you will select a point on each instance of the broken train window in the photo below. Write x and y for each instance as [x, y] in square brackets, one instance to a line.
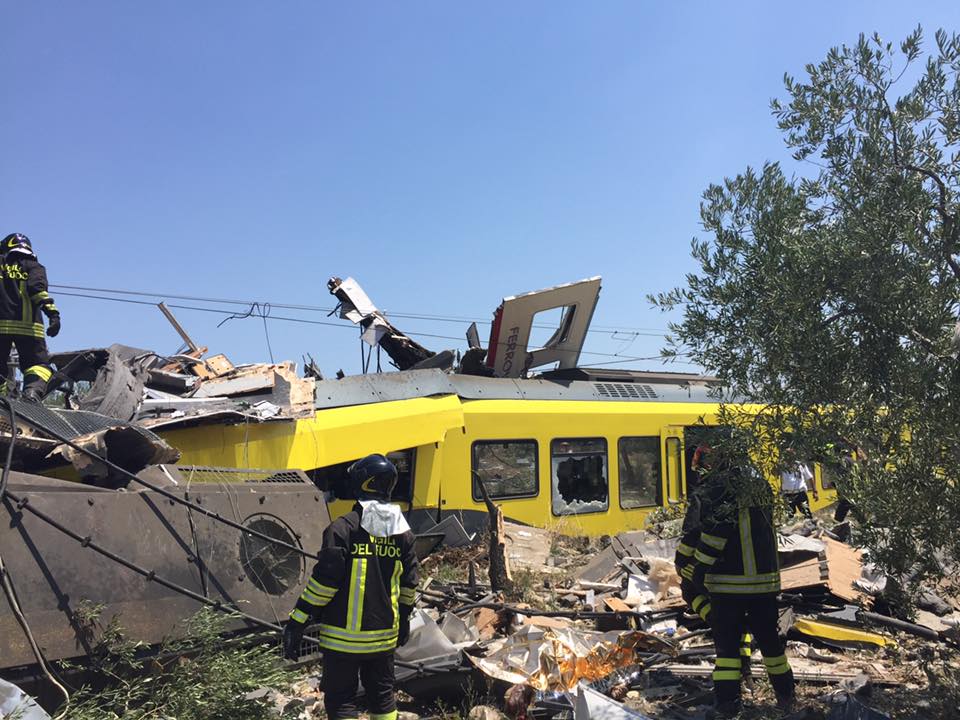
[579, 477]
[508, 468]
[639, 472]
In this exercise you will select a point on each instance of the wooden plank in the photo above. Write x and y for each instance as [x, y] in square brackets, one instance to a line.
[219, 364]
[802, 575]
[844, 565]
[617, 605]
[248, 380]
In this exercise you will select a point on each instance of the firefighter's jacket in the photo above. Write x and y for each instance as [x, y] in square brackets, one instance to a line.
[23, 292]
[359, 587]
[689, 535]
[736, 550]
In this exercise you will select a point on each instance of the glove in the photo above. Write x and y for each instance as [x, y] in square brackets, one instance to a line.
[687, 591]
[404, 633]
[292, 635]
[53, 324]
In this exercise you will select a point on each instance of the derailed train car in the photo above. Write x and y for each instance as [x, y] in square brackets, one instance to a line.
[245, 466]
[149, 553]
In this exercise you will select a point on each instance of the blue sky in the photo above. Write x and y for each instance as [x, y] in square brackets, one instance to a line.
[444, 154]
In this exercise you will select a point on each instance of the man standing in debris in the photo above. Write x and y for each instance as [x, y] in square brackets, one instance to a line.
[735, 564]
[795, 481]
[362, 590]
[23, 296]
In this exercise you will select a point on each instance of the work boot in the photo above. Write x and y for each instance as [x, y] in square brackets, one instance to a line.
[786, 704]
[33, 395]
[724, 710]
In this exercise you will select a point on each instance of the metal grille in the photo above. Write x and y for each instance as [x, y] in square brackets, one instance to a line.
[625, 391]
[67, 423]
[197, 474]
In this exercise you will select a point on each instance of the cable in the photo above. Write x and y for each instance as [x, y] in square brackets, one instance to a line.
[163, 491]
[7, 581]
[232, 314]
[315, 308]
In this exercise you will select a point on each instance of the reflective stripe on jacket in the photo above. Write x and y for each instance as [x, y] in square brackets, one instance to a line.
[23, 292]
[737, 546]
[357, 587]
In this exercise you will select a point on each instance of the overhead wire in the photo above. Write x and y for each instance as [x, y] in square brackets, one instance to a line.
[232, 314]
[653, 332]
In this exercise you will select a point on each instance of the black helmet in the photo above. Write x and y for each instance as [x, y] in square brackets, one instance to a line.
[17, 243]
[373, 478]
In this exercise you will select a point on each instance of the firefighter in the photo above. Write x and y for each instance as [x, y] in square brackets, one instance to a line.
[699, 601]
[361, 592]
[23, 296]
[735, 565]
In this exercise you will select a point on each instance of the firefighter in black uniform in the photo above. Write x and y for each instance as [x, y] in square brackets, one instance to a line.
[735, 565]
[698, 600]
[361, 592]
[23, 296]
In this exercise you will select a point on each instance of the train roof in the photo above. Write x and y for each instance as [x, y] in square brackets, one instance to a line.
[407, 384]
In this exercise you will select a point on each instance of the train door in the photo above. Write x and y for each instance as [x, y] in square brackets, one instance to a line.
[674, 465]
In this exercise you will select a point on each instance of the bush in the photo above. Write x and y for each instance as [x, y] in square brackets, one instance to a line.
[199, 676]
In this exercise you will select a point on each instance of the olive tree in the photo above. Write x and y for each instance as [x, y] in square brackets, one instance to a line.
[828, 294]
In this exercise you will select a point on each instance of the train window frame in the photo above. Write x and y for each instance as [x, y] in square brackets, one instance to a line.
[475, 483]
[658, 477]
[673, 447]
[334, 481]
[606, 458]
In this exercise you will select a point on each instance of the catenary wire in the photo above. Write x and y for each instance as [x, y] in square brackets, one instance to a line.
[653, 332]
[230, 313]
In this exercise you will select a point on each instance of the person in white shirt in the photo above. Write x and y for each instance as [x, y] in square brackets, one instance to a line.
[794, 484]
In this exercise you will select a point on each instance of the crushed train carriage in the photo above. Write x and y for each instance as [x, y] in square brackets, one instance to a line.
[587, 452]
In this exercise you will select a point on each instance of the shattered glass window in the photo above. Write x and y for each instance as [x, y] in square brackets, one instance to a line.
[640, 472]
[508, 468]
[579, 478]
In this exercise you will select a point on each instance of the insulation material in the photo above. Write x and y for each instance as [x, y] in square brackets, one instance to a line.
[558, 659]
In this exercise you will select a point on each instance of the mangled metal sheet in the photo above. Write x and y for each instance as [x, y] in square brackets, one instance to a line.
[357, 307]
[17, 705]
[558, 659]
[594, 705]
[509, 354]
[56, 576]
[129, 447]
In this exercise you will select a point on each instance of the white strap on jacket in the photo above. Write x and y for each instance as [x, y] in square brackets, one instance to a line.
[382, 519]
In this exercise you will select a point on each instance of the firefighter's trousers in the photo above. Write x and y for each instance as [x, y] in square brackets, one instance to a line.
[731, 616]
[339, 684]
[701, 606]
[34, 361]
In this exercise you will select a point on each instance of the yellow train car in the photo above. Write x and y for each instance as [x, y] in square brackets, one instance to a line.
[584, 456]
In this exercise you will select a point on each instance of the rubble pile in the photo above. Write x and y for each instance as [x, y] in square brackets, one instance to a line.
[135, 385]
[597, 628]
